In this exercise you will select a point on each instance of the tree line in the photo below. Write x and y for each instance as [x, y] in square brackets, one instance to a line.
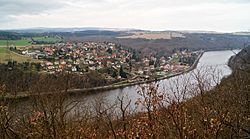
[190, 112]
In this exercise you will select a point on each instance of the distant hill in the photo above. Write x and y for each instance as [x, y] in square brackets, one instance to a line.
[163, 46]
[242, 33]
[242, 60]
[192, 41]
[9, 35]
[53, 30]
[86, 33]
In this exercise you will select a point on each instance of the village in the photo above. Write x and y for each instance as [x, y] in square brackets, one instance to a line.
[111, 60]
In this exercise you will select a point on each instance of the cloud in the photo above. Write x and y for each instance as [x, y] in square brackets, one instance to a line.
[33, 7]
[10, 8]
[236, 1]
[221, 15]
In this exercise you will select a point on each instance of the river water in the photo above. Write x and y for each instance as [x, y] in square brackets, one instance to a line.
[212, 67]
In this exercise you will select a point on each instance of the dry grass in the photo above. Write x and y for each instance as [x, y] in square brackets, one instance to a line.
[154, 35]
[6, 55]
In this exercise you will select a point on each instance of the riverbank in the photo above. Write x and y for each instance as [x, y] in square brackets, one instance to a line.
[226, 100]
[25, 95]
[111, 87]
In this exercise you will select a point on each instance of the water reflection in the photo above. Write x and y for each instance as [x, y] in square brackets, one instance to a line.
[211, 68]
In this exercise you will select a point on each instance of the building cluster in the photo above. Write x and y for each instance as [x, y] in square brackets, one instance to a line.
[79, 57]
[158, 67]
[83, 57]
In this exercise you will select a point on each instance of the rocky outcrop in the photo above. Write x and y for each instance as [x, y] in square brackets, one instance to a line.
[241, 61]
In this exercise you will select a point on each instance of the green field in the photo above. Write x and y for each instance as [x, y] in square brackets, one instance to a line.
[23, 42]
[27, 41]
[6, 54]
[2, 50]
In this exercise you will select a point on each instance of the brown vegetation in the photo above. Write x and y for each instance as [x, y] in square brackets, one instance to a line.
[19, 78]
[153, 35]
[220, 113]
[192, 41]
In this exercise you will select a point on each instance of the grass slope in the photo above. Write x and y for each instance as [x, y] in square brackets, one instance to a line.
[23, 42]
[6, 55]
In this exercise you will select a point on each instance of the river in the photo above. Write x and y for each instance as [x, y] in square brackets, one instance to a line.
[211, 68]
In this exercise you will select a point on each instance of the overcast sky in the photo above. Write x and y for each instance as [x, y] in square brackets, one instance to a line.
[213, 15]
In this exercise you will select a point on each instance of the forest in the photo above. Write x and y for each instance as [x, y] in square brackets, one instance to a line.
[222, 112]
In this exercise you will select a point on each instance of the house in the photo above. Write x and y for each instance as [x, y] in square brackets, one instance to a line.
[31, 54]
[25, 52]
[152, 67]
[74, 69]
[113, 56]
[92, 68]
[63, 62]
[56, 62]
[51, 67]
[48, 63]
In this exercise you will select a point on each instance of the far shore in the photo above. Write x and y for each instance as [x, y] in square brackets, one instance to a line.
[24, 95]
